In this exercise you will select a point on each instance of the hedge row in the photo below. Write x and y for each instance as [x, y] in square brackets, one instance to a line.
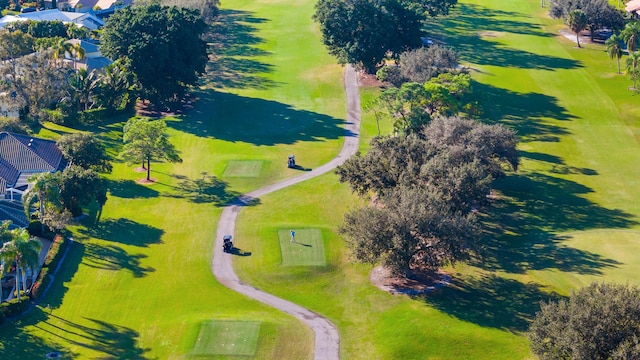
[50, 263]
[13, 307]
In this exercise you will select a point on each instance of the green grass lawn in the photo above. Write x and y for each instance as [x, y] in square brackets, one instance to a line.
[238, 338]
[565, 219]
[138, 283]
[306, 249]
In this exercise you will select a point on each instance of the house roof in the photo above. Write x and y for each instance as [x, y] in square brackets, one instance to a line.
[632, 6]
[102, 4]
[87, 46]
[21, 153]
[82, 19]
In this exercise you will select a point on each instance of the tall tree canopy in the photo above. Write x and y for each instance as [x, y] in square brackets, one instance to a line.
[85, 150]
[420, 65]
[78, 187]
[426, 185]
[163, 45]
[145, 140]
[599, 322]
[412, 105]
[577, 21]
[362, 32]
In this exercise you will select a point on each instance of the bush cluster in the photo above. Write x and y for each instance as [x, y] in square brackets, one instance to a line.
[50, 263]
[13, 307]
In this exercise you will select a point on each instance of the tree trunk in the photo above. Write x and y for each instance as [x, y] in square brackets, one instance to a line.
[618, 65]
[578, 38]
[148, 169]
[24, 279]
[18, 280]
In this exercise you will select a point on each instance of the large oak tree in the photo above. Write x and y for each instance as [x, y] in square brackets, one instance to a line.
[163, 46]
[600, 321]
[362, 32]
[425, 186]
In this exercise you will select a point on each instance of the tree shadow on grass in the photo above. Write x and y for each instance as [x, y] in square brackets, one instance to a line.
[521, 229]
[112, 341]
[233, 47]
[475, 30]
[16, 343]
[123, 231]
[556, 164]
[205, 189]
[114, 258]
[530, 114]
[235, 118]
[490, 301]
[129, 189]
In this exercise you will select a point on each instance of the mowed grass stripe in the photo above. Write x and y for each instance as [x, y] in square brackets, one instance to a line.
[243, 168]
[227, 338]
[306, 250]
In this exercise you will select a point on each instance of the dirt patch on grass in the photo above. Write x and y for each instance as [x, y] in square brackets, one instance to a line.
[491, 34]
[420, 283]
[369, 80]
[145, 109]
[144, 181]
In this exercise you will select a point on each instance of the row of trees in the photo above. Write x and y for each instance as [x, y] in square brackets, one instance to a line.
[423, 188]
[159, 54]
[592, 15]
[364, 32]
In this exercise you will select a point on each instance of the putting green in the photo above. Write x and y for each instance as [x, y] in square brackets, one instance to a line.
[306, 250]
[227, 338]
[243, 168]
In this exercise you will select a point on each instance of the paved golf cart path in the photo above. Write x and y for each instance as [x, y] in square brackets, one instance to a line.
[327, 340]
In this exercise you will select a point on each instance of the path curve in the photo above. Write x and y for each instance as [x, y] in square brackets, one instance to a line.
[327, 340]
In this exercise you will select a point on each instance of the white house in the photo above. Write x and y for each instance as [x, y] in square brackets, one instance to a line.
[86, 20]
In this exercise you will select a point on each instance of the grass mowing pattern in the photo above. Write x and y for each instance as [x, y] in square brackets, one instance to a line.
[243, 168]
[227, 338]
[307, 250]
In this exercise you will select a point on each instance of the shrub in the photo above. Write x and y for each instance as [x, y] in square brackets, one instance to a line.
[390, 74]
[54, 116]
[12, 125]
[35, 228]
[92, 116]
[54, 255]
[13, 307]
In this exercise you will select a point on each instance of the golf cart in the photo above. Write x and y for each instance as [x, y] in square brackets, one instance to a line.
[228, 244]
[291, 163]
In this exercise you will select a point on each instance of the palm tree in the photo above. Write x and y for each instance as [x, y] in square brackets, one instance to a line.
[632, 67]
[630, 34]
[83, 84]
[25, 251]
[64, 47]
[614, 49]
[577, 22]
[44, 187]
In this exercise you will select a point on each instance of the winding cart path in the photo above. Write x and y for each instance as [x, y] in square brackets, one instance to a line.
[327, 340]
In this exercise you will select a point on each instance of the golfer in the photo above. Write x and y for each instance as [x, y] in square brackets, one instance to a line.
[293, 236]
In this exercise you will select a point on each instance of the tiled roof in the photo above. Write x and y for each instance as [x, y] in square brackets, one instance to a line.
[633, 5]
[21, 153]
